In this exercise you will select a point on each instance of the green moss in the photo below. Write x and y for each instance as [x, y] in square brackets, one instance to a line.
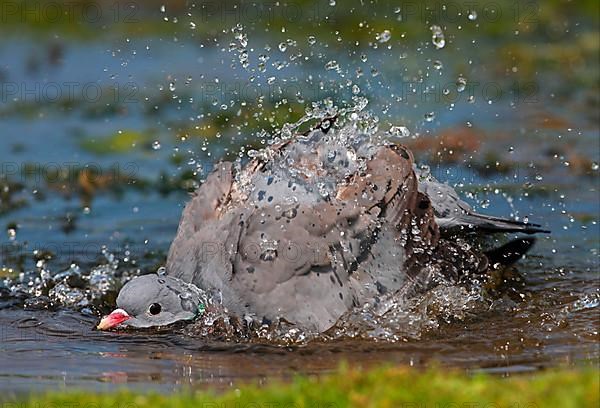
[382, 387]
[119, 142]
[585, 218]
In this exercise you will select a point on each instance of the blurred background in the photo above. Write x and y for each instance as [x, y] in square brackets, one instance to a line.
[111, 112]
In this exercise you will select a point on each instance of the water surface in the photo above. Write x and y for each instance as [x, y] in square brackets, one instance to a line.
[534, 156]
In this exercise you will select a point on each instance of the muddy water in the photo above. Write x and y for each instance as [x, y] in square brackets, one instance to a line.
[62, 228]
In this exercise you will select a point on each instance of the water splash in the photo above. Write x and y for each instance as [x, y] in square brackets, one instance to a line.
[437, 37]
[73, 288]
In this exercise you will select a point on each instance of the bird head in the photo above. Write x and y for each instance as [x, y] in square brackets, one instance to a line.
[155, 300]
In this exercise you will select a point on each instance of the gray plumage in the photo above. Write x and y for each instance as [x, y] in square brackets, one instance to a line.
[316, 226]
[155, 300]
[304, 236]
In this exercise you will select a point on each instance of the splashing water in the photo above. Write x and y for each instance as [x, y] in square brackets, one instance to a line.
[391, 317]
[88, 291]
[384, 36]
[437, 37]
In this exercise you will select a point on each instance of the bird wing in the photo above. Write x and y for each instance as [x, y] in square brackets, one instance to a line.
[198, 227]
[310, 263]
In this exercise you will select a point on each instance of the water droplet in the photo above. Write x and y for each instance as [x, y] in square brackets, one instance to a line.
[437, 37]
[437, 64]
[268, 254]
[163, 8]
[595, 166]
[156, 145]
[312, 40]
[332, 3]
[355, 89]
[332, 65]
[399, 131]
[331, 155]
[461, 84]
[12, 233]
[192, 25]
[282, 47]
[472, 15]
[291, 213]
[172, 86]
[384, 36]
[430, 116]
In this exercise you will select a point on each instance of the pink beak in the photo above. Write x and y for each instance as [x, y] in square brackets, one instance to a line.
[114, 319]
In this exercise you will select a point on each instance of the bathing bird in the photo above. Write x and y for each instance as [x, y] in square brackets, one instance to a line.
[311, 227]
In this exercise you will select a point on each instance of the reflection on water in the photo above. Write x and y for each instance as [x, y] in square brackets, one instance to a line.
[61, 349]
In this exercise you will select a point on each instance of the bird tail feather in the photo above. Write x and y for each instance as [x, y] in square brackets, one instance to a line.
[511, 252]
[497, 224]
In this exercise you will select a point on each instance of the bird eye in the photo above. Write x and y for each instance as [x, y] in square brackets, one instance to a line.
[155, 308]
